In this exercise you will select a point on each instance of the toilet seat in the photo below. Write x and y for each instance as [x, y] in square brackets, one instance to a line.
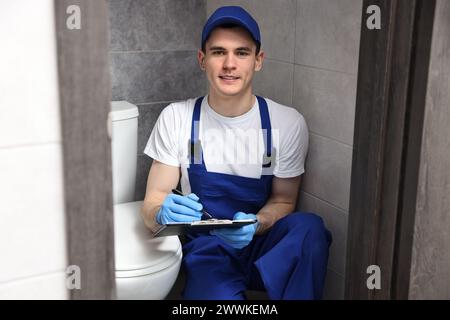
[170, 261]
[137, 253]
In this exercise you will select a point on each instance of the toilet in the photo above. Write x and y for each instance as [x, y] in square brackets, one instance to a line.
[145, 267]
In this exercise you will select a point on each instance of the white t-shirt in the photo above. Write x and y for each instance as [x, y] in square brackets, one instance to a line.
[231, 145]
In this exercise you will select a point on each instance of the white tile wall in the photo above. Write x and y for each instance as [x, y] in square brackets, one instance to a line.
[45, 287]
[28, 100]
[32, 224]
[32, 237]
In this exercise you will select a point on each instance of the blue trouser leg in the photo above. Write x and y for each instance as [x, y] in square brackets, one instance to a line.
[292, 257]
[289, 261]
[213, 272]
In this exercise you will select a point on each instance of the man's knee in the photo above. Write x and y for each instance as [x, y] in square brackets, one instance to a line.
[205, 246]
[304, 219]
[312, 226]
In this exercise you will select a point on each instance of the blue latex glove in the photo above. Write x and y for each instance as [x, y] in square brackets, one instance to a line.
[176, 208]
[238, 237]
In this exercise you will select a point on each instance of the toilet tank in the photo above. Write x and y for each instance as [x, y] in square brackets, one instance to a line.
[124, 140]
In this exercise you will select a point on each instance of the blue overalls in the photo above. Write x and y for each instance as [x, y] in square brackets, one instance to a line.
[289, 261]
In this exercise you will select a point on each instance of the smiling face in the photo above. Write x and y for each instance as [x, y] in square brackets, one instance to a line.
[230, 61]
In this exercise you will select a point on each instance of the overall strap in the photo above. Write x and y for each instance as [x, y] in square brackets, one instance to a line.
[267, 130]
[195, 129]
[265, 125]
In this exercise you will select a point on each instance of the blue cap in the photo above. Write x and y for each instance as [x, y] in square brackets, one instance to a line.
[231, 14]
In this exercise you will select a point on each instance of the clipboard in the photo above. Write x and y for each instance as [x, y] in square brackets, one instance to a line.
[180, 228]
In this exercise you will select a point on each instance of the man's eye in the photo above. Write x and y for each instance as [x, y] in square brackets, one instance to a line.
[242, 53]
[218, 53]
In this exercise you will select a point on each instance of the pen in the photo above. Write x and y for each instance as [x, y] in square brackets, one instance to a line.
[181, 194]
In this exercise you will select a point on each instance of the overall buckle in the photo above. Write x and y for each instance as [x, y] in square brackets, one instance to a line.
[196, 150]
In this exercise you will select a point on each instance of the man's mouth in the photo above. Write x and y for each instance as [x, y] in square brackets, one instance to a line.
[229, 78]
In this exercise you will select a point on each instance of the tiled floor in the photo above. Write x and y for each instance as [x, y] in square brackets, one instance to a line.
[175, 293]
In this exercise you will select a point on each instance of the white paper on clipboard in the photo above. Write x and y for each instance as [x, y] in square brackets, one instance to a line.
[179, 228]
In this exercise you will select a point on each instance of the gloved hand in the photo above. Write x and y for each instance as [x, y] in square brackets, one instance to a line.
[176, 208]
[240, 237]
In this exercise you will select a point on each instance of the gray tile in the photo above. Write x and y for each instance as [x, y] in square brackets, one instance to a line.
[328, 171]
[276, 21]
[327, 100]
[274, 81]
[336, 221]
[148, 114]
[156, 76]
[156, 24]
[144, 163]
[334, 286]
[328, 34]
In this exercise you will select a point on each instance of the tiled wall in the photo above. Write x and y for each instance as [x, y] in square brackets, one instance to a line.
[326, 66]
[311, 64]
[153, 50]
[430, 260]
[32, 220]
[312, 49]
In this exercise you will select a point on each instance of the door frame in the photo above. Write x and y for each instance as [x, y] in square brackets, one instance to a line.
[390, 104]
[85, 95]
[392, 79]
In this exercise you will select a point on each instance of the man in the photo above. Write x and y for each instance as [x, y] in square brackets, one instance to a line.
[235, 174]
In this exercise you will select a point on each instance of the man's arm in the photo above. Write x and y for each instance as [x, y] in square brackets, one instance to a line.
[161, 180]
[282, 201]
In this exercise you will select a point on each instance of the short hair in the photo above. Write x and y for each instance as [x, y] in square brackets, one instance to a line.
[230, 26]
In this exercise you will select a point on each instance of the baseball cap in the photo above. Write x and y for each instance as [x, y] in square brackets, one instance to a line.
[235, 15]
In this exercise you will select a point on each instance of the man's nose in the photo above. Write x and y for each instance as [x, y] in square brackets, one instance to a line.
[229, 62]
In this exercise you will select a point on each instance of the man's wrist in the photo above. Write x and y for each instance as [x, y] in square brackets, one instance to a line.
[263, 224]
[150, 218]
[155, 215]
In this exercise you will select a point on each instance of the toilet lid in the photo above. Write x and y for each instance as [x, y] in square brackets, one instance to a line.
[136, 251]
[123, 110]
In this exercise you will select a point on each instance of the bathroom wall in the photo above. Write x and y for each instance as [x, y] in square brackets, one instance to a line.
[153, 49]
[312, 49]
[32, 228]
[430, 261]
[311, 64]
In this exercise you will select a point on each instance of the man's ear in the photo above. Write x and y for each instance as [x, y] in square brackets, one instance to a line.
[259, 60]
[201, 59]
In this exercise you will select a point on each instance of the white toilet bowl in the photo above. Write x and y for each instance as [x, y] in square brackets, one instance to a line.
[146, 267]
